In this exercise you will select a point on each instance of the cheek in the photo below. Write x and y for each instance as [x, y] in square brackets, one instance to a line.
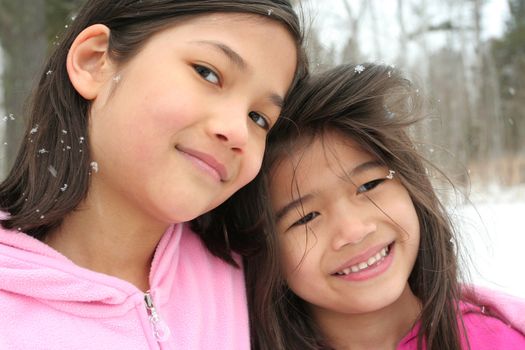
[294, 254]
[251, 164]
[169, 112]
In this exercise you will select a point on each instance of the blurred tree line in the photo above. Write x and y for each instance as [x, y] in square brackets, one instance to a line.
[476, 86]
[28, 29]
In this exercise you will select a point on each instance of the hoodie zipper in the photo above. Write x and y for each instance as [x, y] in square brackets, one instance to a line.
[158, 326]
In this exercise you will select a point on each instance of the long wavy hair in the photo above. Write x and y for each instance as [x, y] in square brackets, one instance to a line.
[375, 106]
[55, 147]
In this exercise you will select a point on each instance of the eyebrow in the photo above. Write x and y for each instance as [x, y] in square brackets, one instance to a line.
[371, 164]
[292, 205]
[277, 100]
[233, 56]
[240, 63]
[301, 200]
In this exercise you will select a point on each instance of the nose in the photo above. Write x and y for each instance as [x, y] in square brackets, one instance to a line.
[351, 227]
[230, 127]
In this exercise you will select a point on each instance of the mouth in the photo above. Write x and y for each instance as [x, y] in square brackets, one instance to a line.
[368, 263]
[205, 162]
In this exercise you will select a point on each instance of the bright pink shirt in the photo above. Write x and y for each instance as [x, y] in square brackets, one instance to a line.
[48, 302]
[484, 332]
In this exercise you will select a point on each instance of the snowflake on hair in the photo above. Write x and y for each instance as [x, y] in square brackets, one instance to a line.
[34, 130]
[359, 68]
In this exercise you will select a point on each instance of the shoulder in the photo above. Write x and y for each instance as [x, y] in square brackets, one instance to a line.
[488, 330]
[194, 250]
[502, 305]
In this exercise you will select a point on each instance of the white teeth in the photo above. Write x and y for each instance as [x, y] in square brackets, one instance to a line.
[371, 260]
[364, 265]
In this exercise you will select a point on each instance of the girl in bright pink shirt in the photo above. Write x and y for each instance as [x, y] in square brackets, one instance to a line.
[147, 115]
[358, 250]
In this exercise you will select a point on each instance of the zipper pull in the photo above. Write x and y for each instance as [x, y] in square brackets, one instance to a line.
[159, 327]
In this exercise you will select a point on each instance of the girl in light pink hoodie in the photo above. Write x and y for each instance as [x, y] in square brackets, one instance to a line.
[148, 114]
[359, 251]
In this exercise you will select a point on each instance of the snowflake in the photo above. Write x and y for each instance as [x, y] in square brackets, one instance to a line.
[64, 131]
[8, 117]
[34, 130]
[359, 68]
[52, 170]
[270, 11]
[49, 72]
[94, 166]
[43, 150]
[63, 188]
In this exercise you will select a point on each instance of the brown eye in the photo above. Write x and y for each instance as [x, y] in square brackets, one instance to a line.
[207, 74]
[306, 219]
[259, 120]
[370, 185]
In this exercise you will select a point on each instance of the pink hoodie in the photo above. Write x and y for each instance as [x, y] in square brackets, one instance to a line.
[484, 332]
[48, 302]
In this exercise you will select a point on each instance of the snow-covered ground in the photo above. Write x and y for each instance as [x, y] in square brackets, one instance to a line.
[493, 236]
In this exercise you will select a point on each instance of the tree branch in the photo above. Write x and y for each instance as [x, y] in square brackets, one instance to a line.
[6, 20]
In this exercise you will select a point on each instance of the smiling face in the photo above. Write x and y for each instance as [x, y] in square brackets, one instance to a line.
[348, 229]
[182, 126]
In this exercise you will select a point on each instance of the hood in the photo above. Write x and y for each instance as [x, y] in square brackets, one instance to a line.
[509, 308]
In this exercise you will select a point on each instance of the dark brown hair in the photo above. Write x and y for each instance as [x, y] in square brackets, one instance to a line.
[55, 149]
[373, 105]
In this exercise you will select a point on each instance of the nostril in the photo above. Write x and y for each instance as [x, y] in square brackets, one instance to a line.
[222, 137]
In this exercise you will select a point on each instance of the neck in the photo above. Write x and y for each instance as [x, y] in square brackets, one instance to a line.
[360, 331]
[109, 237]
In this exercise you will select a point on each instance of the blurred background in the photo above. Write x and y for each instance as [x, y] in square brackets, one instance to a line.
[468, 57]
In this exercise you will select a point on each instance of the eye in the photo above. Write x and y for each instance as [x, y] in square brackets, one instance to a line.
[259, 120]
[306, 219]
[370, 185]
[207, 74]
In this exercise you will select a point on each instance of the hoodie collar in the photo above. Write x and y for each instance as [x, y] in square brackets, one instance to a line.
[32, 269]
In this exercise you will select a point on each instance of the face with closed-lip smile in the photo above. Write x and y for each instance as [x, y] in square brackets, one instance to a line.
[348, 229]
[182, 126]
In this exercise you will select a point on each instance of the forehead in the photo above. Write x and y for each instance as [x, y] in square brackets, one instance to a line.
[265, 45]
[329, 155]
[229, 25]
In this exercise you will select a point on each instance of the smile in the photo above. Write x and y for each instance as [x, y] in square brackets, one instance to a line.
[205, 162]
[370, 262]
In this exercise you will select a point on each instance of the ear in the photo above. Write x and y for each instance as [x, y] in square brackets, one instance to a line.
[88, 64]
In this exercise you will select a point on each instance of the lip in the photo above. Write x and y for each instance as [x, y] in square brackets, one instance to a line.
[207, 159]
[364, 256]
[371, 272]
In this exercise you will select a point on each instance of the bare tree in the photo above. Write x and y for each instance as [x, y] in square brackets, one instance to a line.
[24, 42]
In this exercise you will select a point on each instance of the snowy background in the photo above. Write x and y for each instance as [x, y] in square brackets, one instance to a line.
[493, 235]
